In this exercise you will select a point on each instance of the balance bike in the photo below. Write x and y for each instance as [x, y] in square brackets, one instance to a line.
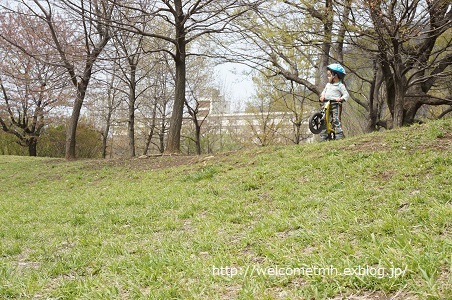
[322, 120]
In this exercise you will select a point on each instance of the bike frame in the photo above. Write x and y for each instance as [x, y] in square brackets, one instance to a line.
[329, 125]
[323, 121]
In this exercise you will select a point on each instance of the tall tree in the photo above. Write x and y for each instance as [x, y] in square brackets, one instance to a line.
[106, 93]
[26, 112]
[29, 88]
[112, 105]
[155, 112]
[77, 45]
[413, 44]
[130, 53]
[189, 21]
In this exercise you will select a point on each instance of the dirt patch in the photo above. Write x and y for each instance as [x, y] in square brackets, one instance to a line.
[367, 144]
[155, 162]
[377, 295]
[230, 292]
[386, 175]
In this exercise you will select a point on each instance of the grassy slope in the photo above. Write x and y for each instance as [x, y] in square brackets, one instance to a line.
[203, 230]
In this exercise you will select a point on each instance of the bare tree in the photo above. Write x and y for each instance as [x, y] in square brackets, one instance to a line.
[414, 53]
[297, 103]
[25, 116]
[200, 97]
[189, 21]
[78, 31]
[30, 89]
[129, 48]
[263, 126]
[156, 111]
[112, 103]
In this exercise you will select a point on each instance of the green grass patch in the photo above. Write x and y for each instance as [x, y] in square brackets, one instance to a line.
[364, 216]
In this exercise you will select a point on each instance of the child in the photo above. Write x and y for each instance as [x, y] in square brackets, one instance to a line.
[336, 92]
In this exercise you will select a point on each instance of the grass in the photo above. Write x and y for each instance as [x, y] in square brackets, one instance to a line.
[329, 220]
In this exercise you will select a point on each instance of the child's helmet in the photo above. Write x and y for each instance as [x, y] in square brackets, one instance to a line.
[337, 69]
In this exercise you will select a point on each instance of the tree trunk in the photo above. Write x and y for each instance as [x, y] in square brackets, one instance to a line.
[162, 140]
[32, 145]
[82, 86]
[374, 108]
[173, 143]
[72, 126]
[297, 132]
[198, 137]
[321, 79]
[148, 141]
[398, 114]
[162, 131]
[105, 134]
[343, 30]
[131, 120]
[411, 110]
[151, 133]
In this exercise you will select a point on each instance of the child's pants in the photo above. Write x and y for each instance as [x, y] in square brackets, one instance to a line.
[336, 110]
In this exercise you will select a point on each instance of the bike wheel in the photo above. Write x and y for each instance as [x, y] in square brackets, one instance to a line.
[316, 123]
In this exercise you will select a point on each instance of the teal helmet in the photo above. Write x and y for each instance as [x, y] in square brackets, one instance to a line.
[337, 69]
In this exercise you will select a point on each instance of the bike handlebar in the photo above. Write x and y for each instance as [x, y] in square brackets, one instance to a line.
[332, 101]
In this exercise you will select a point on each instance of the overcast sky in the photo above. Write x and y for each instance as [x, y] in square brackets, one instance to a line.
[235, 81]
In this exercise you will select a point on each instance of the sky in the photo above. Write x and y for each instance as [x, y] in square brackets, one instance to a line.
[235, 82]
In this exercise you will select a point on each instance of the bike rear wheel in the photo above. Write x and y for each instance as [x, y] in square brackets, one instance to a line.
[316, 123]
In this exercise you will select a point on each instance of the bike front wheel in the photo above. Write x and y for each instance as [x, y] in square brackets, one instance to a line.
[316, 123]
